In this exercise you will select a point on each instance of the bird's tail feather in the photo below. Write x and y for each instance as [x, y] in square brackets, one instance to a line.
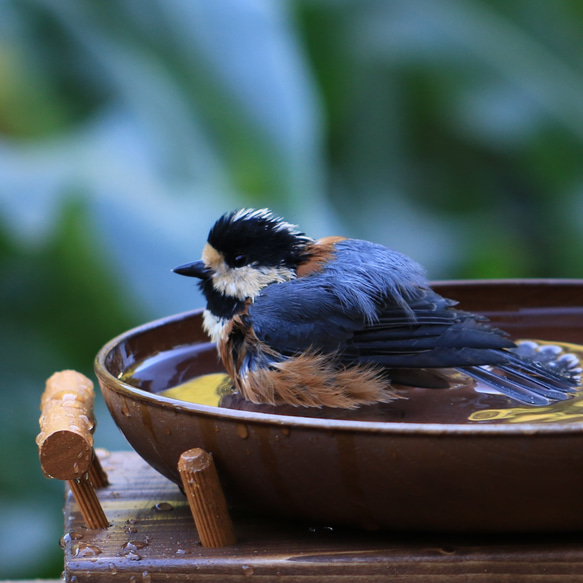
[527, 381]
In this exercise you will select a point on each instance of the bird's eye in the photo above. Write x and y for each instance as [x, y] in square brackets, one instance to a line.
[239, 260]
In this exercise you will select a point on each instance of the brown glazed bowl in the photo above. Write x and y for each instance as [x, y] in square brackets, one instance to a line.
[438, 474]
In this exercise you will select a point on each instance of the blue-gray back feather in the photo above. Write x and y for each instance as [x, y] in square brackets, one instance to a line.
[374, 306]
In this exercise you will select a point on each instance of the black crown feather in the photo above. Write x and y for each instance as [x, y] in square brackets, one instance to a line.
[262, 237]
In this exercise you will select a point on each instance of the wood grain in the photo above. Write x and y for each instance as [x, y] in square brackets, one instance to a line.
[88, 503]
[206, 499]
[153, 538]
[65, 441]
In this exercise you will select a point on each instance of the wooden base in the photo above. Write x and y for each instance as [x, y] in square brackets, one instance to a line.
[153, 538]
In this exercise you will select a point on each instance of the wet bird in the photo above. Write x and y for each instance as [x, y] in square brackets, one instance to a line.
[337, 322]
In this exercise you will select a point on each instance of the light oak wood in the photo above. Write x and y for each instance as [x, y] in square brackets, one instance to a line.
[206, 499]
[65, 441]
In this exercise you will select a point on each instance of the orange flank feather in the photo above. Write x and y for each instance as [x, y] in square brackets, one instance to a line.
[312, 380]
[309, 379]
[320, 252]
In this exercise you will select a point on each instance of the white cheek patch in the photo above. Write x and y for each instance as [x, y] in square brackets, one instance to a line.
[242, 282]
[247, 282]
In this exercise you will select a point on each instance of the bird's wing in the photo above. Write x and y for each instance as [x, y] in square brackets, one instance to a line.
[376, 307]
[306, 314]
[438, 336]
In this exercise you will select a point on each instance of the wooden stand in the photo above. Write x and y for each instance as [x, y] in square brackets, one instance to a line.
[153, 538]
[65, 445]
[65, 441]
[149, 535]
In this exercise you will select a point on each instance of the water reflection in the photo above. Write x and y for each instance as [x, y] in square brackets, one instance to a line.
[464, 401]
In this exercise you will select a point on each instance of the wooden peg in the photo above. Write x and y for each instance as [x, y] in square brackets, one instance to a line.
[206, 499]
[97, 475]
[89, 504]
[65, 441]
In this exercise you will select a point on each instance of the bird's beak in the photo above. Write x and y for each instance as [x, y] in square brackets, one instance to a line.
[194, 269]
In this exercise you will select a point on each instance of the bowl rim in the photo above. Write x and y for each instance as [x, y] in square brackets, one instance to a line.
[388, 427]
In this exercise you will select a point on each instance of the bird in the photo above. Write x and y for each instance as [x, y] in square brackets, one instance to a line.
[337, 322]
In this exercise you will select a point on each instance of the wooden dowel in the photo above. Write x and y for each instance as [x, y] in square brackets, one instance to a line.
[97, 475]
[65, 441]
[89, 505]
[206, 499]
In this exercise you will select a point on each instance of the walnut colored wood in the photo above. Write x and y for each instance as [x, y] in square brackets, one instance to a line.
[153, 539]
[89, 504]
[97, 475]
[65, 441]
[206, 499]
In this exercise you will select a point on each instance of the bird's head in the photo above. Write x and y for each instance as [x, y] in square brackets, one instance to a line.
[247, 250]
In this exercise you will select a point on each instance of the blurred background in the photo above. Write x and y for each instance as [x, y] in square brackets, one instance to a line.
[451, 130]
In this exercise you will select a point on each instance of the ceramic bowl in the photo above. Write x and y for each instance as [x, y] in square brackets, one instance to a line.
[426, 469]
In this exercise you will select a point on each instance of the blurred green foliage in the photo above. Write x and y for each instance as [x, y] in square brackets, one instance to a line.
[451, 130]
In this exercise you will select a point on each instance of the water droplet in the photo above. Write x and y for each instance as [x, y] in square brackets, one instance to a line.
[102, 453]
[132, 556]
[321, 529]
[112, 568]
[130, 527]
[181, 552]
[125, 410]
[70, 537]
[146, 577]
[163, 507]
[286, 431]
[134, 545]
[242, 431]
[247, 570]
[168, 430]
[84, 550]
[88, 423]
[217, 428]
[67, 397]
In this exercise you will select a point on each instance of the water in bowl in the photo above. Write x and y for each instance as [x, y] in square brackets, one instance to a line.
[464, 401]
